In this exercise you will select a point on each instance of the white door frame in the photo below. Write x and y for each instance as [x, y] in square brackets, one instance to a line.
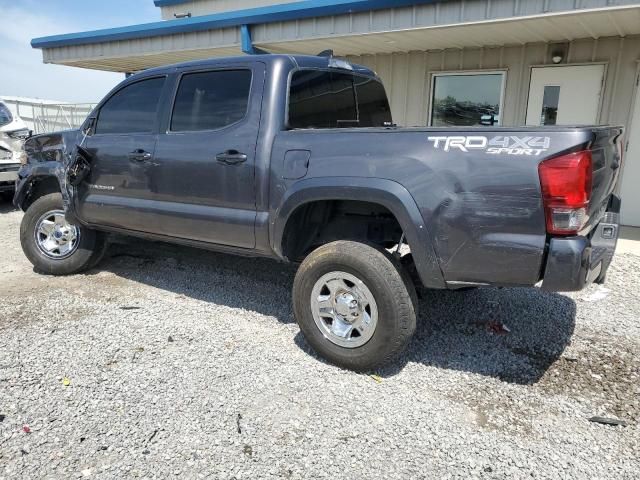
[560, 65]
[635, 99]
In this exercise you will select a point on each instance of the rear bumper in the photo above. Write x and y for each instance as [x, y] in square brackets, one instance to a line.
[575, 262]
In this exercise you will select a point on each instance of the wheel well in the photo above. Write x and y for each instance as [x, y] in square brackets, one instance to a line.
[39, 188]
[317, 223]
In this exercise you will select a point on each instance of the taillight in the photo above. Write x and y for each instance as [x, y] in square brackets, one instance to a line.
[566, 190]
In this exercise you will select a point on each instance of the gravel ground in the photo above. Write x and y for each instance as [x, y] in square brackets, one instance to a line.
[168, 361]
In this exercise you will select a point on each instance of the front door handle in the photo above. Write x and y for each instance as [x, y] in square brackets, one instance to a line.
[139, 155]
[231, 157]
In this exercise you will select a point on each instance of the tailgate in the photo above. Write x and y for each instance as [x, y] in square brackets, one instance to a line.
[606, 150]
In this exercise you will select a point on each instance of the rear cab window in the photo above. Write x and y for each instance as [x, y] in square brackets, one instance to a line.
[329, 99]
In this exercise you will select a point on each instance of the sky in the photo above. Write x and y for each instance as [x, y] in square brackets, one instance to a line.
[22, 72]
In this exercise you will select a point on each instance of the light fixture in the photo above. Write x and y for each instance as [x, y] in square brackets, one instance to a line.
[182, 15]
[557, 57]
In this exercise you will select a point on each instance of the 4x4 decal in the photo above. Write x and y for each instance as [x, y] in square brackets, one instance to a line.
[509, 145]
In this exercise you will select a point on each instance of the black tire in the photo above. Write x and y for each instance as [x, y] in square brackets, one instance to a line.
[90, 249]
[392, 289]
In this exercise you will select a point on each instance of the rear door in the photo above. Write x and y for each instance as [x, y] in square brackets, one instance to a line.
[122, 146]
[202, 186]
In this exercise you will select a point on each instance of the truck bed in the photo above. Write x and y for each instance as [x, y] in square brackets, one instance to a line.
[478, 189]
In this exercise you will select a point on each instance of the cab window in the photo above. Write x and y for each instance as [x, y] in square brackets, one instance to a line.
[133, 109]
[211, 100]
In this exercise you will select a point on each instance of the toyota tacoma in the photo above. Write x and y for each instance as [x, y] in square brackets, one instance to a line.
[297, 158]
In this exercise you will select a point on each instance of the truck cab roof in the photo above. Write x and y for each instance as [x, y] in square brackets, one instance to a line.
[289, 61]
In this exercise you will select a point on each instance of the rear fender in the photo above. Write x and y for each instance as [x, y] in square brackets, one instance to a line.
[384, 192]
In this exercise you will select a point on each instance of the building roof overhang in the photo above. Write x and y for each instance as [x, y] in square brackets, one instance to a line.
[385, 31]
[252, 16]
[552, 27]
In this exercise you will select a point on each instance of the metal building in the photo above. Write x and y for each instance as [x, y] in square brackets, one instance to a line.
[522, 61]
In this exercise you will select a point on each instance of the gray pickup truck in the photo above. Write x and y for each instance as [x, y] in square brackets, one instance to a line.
[296, 158]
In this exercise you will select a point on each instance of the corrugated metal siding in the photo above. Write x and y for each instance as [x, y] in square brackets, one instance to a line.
[443, 13]
[452, 11]
[407, 76]
[132, 55]
[206, 7]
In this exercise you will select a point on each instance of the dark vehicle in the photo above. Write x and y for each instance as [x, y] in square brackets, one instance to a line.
[296, 158]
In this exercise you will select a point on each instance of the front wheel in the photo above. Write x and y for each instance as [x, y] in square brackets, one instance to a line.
[354, 304]
[53, 245]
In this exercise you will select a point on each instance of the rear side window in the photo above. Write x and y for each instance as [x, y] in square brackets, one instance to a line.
[133, 109]
[5, 115]
[322, 99]
[211, 100]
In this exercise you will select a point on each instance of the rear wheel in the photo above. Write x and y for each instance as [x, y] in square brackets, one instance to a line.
[355, 304]
[55, 246]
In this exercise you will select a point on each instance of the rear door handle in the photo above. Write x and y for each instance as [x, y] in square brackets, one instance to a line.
[139, 155]
[231, 157]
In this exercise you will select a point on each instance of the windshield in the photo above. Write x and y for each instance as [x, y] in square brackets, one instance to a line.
[5, 115]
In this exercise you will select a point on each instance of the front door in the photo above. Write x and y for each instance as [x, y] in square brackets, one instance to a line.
[122, 147]
[203, 183]
[565, 95]
[631, 171]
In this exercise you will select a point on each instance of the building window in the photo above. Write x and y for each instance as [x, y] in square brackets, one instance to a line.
[550, 102]
[211, 100]
[133, 109]
[467, 99]
[321, 99]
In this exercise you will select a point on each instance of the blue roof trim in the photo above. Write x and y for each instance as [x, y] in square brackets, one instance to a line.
[167, 3]
[251, 16]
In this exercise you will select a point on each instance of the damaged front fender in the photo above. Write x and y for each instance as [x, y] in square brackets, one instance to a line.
[48, 157]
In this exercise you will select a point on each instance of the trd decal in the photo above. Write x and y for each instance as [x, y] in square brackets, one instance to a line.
[508, 145]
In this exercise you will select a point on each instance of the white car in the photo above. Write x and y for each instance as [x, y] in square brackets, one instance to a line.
[13, 132]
